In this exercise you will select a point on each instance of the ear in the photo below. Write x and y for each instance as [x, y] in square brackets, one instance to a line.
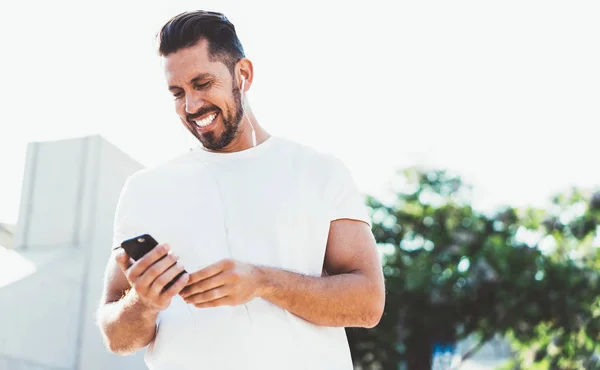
[244, 68]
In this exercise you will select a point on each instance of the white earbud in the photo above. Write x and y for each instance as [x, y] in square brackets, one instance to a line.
[248, 118]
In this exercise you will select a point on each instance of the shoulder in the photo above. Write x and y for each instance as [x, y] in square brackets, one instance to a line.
[309, 157]
[158, 173]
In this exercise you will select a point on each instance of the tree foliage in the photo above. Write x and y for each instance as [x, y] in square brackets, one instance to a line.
[452, 272]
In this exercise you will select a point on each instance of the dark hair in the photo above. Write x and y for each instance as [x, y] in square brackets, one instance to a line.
[187, 29]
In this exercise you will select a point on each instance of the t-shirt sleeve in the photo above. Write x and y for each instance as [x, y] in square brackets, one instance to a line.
[123, 227]
[347, 201]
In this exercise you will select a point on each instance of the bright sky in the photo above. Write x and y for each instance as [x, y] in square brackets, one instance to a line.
[506, 93]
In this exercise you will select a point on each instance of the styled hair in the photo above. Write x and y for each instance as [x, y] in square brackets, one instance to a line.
[188, 28]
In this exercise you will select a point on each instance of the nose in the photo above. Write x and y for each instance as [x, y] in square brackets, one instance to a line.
[193, 103]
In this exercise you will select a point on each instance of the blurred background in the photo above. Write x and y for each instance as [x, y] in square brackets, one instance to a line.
[469, 126]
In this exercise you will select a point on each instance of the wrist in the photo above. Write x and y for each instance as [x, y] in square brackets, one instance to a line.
[144, 310]
[264, 286]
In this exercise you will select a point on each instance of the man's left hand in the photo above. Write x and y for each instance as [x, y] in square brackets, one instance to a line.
[225, 283]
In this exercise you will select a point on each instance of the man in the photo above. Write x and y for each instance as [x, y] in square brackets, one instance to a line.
[273, 236]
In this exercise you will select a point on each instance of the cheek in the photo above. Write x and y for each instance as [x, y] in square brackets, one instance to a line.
[228, 107]
[180, 108]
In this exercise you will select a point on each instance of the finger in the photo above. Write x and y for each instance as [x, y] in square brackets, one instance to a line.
[225, 301]
[123, 259]
[144, 263]
[205, 285]
[208, 296]
[157, 269]
[211, 270]
[177, 286]
[165, 278]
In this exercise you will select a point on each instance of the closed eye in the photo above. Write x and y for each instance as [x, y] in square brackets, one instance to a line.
[179, 94]
[202, 86]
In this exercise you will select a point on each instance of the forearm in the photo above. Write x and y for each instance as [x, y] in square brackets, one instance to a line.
[348, 300]
[127, 325]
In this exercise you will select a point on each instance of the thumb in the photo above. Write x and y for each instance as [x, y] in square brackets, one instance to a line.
[123, 259]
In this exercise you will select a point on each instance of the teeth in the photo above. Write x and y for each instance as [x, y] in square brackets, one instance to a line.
[207, 121]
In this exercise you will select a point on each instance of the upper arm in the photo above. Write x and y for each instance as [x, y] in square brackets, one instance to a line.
[115, 282]
[351, 248]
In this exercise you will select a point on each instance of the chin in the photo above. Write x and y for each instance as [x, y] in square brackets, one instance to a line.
[209, 141]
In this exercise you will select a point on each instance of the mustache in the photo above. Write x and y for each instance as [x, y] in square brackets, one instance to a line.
[202, 111]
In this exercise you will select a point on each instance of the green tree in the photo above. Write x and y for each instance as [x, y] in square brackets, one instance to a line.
[452, 272]
[570, 339]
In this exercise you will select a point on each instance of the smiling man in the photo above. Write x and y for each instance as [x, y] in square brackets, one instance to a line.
[273, 236]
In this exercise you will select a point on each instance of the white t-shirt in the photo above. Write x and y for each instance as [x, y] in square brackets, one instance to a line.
[270, 205]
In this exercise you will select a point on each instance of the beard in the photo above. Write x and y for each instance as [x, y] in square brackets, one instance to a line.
[231, 123]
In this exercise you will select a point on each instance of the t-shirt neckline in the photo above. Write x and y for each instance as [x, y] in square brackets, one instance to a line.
[199, 152]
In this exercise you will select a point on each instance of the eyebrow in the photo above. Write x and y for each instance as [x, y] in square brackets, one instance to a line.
[199, 76]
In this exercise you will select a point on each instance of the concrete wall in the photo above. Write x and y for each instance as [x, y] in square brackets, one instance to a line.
[6, 237]
[39, 313]
[52, 190]
[113, 168]
[70, 191]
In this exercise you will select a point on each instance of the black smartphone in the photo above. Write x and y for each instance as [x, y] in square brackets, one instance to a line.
[137, 247]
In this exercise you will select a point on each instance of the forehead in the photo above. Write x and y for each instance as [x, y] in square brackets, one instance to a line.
[182, 66]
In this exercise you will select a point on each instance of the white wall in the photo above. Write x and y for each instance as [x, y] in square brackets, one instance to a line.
[53, 176]
[6, 238]
[47, 321]
[38, 313]
[111, 169]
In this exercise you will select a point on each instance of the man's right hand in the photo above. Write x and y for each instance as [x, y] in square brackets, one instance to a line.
[149, 275]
